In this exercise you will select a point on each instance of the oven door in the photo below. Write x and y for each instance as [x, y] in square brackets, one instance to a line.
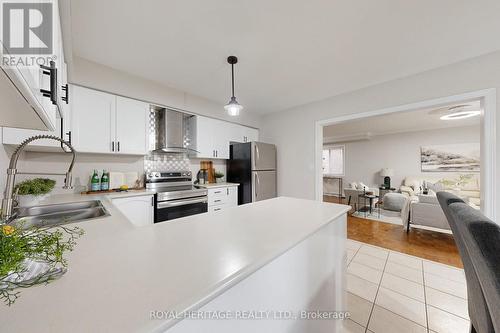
[169, 210]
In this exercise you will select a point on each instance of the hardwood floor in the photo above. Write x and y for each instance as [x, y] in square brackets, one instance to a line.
[425, 244]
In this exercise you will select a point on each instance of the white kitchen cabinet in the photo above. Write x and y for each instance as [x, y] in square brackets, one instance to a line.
[139, 210]
[242, 134]
[213, 136]
[93, 120]
[221, 198]
[108, 124]
[131, 126]
[202, 128]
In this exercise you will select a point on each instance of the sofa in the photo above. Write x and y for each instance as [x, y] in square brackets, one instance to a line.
[466, 187]
[425, 209]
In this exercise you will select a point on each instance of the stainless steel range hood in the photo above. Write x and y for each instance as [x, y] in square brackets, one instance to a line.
[171, 131]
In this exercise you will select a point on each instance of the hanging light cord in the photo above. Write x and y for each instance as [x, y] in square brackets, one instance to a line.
[232, 78]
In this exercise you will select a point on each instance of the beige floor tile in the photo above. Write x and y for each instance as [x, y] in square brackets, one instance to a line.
[445, 271]
[350, 255]
[364, 272]
[361, 287]
[353, 245]
[359, 308]
[402, 305]
[374, 251]
[403, 286]
[404, 272]
[445, 285]
[351, 327]
[370, 261]
[405, 260]
[438, 299]
[443, 322]
[384, 321]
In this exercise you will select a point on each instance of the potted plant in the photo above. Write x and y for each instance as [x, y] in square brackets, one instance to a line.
[31, 191]
[218, 176]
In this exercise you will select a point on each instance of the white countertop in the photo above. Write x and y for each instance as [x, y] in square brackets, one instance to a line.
[216, 185]
[118, 273]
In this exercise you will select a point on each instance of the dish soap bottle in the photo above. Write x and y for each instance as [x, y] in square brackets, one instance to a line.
[104, 181]
[94, 182]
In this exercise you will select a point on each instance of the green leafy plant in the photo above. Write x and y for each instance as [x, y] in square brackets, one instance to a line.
[45, 245]
[218, 174]
[37, 186]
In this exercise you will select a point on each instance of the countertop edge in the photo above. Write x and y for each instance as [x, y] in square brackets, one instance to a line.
[237, 277]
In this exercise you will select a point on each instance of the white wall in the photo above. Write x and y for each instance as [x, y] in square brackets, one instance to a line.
[401, 152]
[293, 131]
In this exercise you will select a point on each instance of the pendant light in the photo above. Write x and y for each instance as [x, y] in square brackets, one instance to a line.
[233, 108]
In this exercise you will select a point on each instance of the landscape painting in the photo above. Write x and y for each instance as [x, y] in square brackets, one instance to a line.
[452, 157]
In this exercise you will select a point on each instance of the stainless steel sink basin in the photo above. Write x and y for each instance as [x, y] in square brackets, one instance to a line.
[50, 215]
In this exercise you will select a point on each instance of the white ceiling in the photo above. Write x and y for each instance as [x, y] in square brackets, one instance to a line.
[400, 122]
[291, 52]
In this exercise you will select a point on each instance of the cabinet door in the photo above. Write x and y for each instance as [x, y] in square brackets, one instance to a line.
[222, 135]
[251, 134]
[131, 126]
[232, 193]
[138, 210]
[205, 128]
[93, 128]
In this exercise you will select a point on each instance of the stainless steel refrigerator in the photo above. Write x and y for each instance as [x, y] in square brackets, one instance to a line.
[253, 166]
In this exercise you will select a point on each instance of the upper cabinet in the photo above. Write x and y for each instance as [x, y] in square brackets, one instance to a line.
[213, 137]
[107, 124]
[31, 83]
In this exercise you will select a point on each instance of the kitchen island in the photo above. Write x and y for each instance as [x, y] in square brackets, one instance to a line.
[251, 268]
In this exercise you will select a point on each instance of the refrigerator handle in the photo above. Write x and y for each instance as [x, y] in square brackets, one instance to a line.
[257, 155]
[257, 184]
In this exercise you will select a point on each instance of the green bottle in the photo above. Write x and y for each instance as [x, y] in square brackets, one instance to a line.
[94, 182]
[104, 181]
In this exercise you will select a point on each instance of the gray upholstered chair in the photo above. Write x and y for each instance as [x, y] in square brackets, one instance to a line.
[478, 242]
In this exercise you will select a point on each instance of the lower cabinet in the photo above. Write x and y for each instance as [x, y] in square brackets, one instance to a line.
[222, 198]
[139, 210]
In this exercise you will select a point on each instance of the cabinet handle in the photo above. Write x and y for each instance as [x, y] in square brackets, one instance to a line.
[227, 191]
[112, 146]
[65, 98]
[216, 153]
[118, 145]
[216, 209]
[216, 200]
[69, 136]
[51, 71]
[217, 192]
[152, 201]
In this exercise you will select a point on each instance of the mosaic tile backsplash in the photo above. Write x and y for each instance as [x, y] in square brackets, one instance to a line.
[166, 162]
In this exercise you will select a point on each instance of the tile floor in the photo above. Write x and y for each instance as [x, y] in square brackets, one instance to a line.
[393, 292]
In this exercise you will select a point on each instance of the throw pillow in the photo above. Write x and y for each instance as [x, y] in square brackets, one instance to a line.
[435, 187]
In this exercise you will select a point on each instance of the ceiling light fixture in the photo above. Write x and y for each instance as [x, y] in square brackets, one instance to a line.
[233, 108]
[460, 112]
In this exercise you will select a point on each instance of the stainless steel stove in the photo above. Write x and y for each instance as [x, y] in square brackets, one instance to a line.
[175, 195]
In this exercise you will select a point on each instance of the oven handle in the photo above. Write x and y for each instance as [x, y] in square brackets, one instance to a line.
[167, 204]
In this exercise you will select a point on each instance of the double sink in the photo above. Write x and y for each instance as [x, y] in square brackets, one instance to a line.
[58, 214]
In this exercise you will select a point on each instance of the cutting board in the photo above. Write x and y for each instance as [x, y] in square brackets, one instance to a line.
[209, 166]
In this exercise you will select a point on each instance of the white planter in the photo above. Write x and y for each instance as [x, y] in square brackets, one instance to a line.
[30, 200]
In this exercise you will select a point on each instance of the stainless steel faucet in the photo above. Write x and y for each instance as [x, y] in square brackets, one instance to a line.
[8, 200]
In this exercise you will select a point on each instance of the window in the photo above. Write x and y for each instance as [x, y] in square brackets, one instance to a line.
[333, 160]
